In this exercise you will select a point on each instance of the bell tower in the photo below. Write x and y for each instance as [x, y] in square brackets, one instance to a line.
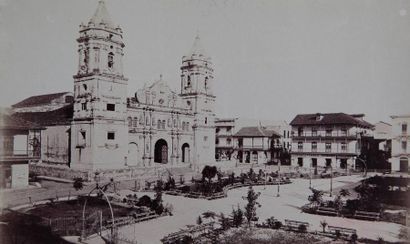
[196, 90]
[99, 132]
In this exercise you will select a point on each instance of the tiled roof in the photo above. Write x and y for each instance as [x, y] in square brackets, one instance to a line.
[9, 122]
[38, 100]
[329, 119]
[61, 116]
[256, 131]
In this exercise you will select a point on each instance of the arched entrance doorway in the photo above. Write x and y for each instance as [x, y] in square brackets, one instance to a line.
[133, 154]
[404, 165]
[185, 153]
[161, 152]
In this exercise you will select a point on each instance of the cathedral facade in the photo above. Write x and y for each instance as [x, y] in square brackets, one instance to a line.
[156, 126]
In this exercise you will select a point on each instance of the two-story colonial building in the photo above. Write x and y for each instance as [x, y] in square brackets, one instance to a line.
[327, 140]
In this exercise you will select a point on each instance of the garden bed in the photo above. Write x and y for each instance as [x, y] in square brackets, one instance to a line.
[190, 192]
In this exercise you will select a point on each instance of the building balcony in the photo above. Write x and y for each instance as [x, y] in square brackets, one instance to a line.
[309, 136]
[20, 155]
[251, 147]
[324, 153]
[224, 135]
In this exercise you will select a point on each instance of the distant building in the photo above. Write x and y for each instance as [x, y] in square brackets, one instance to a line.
[54, 112]
[19, 144]
[224, 132]
[383, 132]
[325, 140]
[44, 103]
[255, 145]
[400, 143]
[227, 127]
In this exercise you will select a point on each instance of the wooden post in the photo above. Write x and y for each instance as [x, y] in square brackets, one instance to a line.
[100, 222]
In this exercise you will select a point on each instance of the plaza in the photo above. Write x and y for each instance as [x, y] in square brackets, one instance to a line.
[287, 206]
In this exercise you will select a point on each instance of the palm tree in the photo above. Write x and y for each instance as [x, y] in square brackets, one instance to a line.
[316, 197]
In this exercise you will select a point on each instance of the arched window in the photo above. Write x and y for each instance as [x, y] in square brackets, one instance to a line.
[135, 122]
[163, 124]
[159, 124]
[110, 60]
[129, 122]
[206, 120]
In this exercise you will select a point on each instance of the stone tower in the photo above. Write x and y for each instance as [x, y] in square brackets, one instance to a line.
[99, 132]
[196, 90]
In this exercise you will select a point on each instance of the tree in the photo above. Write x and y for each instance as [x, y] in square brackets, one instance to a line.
[199, 220]
[270, 222]
[209, 172]
[157, 205]
[316, 197]
[344, 192]
[323, 223]
[237, 217]
[353, 238]
[78, 184]
[251, 174]
[338, 203]
[224, 221]
[250, 208]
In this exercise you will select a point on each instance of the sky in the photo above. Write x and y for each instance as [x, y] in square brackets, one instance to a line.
[273, 59]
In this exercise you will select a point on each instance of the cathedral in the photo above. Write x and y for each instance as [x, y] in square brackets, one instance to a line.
[99, 127]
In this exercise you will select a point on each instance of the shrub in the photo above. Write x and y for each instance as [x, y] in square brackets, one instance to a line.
[78, 184]
[278, 225]
[353, 237]
[144, 201]
[302, 228]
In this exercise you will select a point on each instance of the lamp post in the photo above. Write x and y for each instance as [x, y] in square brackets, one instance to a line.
[331, 179]
[310, 176]
[278, 195]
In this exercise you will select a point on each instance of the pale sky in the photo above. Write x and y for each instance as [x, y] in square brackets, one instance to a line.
[272, 59]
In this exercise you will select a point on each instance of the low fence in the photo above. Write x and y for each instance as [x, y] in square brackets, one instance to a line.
[224, 193]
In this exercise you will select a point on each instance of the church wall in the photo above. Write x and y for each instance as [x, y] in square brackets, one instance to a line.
[165, 124]
[110, 153]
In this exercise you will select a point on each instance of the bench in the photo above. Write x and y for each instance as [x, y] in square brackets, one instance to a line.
[344, 232]
[294, 224]
[327, 211]
[174, 237]
[367, 215]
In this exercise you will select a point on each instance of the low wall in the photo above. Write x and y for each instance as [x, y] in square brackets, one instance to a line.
[65, 172]
[59, 172]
